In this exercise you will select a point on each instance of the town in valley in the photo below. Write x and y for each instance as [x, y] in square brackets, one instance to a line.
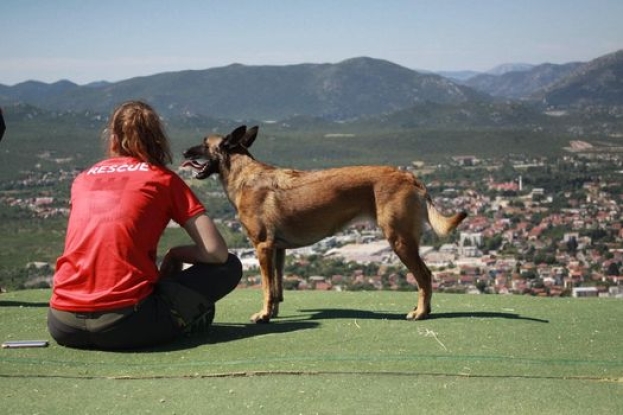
[535, 226]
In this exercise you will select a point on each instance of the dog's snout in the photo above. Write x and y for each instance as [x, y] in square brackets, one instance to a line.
[193, 152]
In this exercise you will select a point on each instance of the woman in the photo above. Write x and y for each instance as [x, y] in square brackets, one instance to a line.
[108, 292]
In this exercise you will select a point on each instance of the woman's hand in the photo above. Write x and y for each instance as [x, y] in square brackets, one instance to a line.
[170, 266]
[209, 246]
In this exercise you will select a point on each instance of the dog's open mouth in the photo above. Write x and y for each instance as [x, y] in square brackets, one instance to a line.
[200, 166]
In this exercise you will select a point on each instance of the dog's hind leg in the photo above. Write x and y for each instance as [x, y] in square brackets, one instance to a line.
[424, 279]
[400, 220]
[407, 249]
[277, 283]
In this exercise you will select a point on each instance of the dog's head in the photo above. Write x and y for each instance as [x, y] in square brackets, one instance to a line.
[209, 157]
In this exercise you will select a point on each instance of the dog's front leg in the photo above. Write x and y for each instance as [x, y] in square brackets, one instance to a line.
[266, 257]
[277, 282]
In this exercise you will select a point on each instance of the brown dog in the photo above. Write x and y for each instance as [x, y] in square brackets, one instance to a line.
[283, 208]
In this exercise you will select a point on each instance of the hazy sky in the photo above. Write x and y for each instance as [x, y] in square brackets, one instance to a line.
[92, 40]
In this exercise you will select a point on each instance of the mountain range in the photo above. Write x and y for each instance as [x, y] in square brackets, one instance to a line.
[351, 89]
[521, 84]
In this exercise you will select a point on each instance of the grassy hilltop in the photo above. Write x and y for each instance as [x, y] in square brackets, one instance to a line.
[335, 353]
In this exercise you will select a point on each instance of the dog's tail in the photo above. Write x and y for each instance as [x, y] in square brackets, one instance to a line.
[442, 225]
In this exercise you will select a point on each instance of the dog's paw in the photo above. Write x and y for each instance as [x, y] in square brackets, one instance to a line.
[418, 315]
[260, 318]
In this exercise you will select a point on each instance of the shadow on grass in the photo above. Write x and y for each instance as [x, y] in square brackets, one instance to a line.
[23, 304]
[485, 314]
[338, 313]
[223, 332]
[344, 313]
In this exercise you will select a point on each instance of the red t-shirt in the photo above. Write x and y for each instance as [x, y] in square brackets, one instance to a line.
[119, 209]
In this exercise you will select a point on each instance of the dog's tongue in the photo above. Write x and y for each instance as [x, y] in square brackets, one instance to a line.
[192, 163]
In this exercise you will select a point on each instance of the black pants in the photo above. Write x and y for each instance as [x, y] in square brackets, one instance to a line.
[153, 321]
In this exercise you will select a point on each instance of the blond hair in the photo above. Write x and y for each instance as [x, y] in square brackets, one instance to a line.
[135, 130]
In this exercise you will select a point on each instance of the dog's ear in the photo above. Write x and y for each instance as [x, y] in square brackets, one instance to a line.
[234, 139]
[250, 136]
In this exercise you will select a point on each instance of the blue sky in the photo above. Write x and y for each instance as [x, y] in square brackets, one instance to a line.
[92, 40]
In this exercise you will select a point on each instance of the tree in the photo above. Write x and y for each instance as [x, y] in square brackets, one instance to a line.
[482, 286]
[494, 243]
[572, 246]
[613, 269]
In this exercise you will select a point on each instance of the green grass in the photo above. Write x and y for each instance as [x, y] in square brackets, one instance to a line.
[336, 353]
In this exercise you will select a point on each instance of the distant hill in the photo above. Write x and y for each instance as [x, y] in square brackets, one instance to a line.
[479, 116]
[35, 92]
[460, 76]
[522, 83]
[463, 76]
[346, 90]
[596, 83]
[510, 67]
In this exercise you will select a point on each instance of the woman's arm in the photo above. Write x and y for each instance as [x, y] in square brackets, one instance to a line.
[209, 246]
